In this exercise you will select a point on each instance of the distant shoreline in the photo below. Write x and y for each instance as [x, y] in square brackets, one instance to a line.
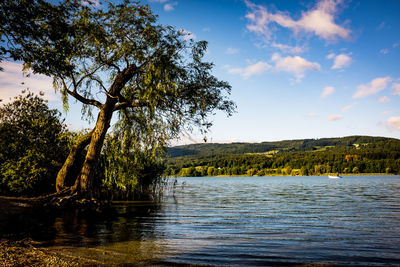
[280, 175]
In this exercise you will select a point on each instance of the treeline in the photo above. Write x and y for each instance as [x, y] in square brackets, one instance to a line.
[382, 155]
[214, 149]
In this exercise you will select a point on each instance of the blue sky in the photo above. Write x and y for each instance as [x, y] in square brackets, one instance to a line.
[298, 69]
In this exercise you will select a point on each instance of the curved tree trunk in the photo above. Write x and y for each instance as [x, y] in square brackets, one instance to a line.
[65, 172]
[84, 183]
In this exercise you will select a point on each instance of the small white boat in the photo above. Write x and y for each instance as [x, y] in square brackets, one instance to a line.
[334, 176]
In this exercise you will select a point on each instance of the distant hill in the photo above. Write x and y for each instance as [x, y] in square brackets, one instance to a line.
[214, 149]
[348, 155]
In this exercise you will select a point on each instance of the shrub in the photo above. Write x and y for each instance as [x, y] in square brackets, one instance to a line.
[33, 146]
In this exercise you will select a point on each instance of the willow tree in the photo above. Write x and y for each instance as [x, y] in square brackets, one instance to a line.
[116, 58]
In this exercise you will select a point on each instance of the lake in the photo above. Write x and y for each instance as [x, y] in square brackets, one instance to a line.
[248, 221]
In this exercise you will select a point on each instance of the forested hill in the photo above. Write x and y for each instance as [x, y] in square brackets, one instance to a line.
[213, 149]
[353, 154]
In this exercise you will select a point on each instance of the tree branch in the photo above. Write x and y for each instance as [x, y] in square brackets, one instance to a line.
[122, 106]
[125, 103]
[121, 79]
[100, 84]
[88, 75]
[107, 61]
[80, 98]
[83, 99]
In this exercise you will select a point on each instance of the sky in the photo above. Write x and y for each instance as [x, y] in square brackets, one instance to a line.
[298, 69]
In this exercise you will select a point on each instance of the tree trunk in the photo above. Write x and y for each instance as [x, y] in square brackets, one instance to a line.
[84, 183]
[65, 173]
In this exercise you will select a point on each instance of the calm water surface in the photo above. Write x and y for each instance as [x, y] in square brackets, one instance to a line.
[250, 221]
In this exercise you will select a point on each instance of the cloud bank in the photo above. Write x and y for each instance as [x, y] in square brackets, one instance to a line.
[319, 21]
[295, 65]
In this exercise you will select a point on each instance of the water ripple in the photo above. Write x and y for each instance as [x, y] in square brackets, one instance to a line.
[286, 220]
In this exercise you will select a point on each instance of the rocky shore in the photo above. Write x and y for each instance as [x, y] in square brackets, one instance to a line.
[27, 252]
[24, 253]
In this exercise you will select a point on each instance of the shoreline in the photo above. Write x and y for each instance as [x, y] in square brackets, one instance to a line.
[25, 253]
[280, 175]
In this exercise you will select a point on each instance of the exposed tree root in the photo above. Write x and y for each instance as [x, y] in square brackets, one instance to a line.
[64, 199]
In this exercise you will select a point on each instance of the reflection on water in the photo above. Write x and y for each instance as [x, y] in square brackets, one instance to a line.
[238, 221]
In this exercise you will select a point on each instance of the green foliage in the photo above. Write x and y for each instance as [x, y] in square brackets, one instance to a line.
[132, 174]
[152, 72]
[38, 31]
[116, 58]
[33, 145]
[297, 157]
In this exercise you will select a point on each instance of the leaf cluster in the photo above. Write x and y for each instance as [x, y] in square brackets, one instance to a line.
[128, 173]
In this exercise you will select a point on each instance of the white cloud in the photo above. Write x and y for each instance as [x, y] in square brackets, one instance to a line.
[255, 69]
[339, 61]
[393, 123]
[373, 87]
[231, 51]
[328, 90]
[295, 65]
[12, 82]
[384, 51]
[396, 87]
[170, 6]
[330, 56]
[386, 112]
[288, 49]
[94, 3]
[335, 117]
[383, 99]
[395, 45]
[319, 21]
[346, 108]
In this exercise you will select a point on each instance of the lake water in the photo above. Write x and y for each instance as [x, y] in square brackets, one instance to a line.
[248, 221]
